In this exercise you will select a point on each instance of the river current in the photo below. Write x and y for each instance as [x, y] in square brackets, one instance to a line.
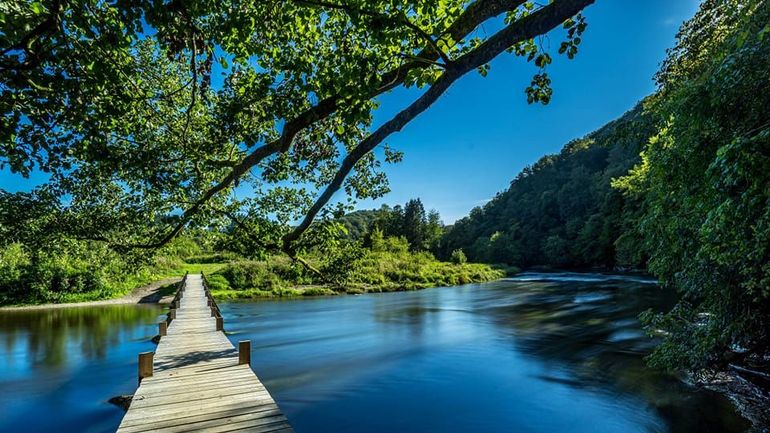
[541, 352]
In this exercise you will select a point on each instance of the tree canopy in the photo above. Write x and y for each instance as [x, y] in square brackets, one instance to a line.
[145, 116]
[705, 185]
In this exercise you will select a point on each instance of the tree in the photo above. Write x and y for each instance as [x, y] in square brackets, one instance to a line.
[414, 224]
[562, 211]
[422, 232]
[434, 230]
[705, 187]
[152, 112]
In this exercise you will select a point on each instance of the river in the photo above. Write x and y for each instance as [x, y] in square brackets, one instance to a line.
[535, 353]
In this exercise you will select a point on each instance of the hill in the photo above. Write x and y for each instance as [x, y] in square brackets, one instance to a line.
[562, 211]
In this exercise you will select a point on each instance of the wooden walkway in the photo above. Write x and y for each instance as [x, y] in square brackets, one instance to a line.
[198, 382]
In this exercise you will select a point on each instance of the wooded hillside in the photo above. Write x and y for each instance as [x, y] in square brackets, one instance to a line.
[562, 211]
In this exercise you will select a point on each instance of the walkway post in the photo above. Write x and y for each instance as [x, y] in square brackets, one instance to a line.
[244, 352]
[220, 324]
[145, 365]
[162, 328]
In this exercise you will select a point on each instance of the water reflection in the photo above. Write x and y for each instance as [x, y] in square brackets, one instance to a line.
[542, 353]
[66, 362]
[589, 336]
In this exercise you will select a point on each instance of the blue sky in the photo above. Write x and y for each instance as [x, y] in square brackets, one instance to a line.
[481, 133]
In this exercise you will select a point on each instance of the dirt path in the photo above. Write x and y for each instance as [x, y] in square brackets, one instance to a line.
[149, 294]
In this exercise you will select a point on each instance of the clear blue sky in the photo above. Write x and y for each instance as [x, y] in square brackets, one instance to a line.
[481, 133]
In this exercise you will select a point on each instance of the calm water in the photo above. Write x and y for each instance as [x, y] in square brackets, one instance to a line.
[59, 367]
[521, 355]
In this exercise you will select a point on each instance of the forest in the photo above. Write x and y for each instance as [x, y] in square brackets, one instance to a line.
[562, 211]
[144, 118]
[679, 186]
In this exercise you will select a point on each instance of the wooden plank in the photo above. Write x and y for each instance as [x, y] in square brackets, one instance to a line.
[140, 417]
[197, 383]
[230, 416]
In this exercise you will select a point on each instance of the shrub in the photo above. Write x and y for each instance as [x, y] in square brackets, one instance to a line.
[344, 263]
[217, 282]
[210, 258]
[13, 260]
[458, 257]
[393, 244]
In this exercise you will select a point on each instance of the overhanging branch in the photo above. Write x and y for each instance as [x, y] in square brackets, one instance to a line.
[528, 27]
[472, 17]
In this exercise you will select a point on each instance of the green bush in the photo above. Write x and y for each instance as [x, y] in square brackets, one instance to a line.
[393, 244]
[458, 257]
[69, 270]
[217, 282]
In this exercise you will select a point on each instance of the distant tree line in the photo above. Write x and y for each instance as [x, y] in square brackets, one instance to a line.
[422, 230]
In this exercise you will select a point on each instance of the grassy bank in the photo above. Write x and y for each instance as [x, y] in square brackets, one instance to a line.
[376, 271]
[81, 271]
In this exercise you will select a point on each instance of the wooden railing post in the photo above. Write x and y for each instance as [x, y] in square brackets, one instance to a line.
[220, 324]
[145, 365]
[162, 328]
[244, 352]
[172, 314]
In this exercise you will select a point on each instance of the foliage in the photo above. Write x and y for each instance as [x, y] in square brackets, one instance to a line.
[68, 270]
[217, 282]
[458, 257]
[341, 264]
[422, 231]
[358, 224]
[388, 267]
[145, 115]
[562, 211]
[705, 186]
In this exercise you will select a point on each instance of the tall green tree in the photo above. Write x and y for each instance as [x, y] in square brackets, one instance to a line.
[705, 185]
[414, 223]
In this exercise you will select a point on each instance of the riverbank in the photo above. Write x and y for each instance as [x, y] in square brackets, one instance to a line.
[328, 290]
[157, 292]
[751, 400]
[375, 272]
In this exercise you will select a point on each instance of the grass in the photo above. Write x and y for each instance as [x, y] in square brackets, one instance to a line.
[376, 272]
[93, 273]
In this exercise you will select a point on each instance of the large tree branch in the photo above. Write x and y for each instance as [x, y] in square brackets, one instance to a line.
[472, 17]
[239, 170]
[533, 25]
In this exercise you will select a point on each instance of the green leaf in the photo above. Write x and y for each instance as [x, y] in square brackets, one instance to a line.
[37, 8]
